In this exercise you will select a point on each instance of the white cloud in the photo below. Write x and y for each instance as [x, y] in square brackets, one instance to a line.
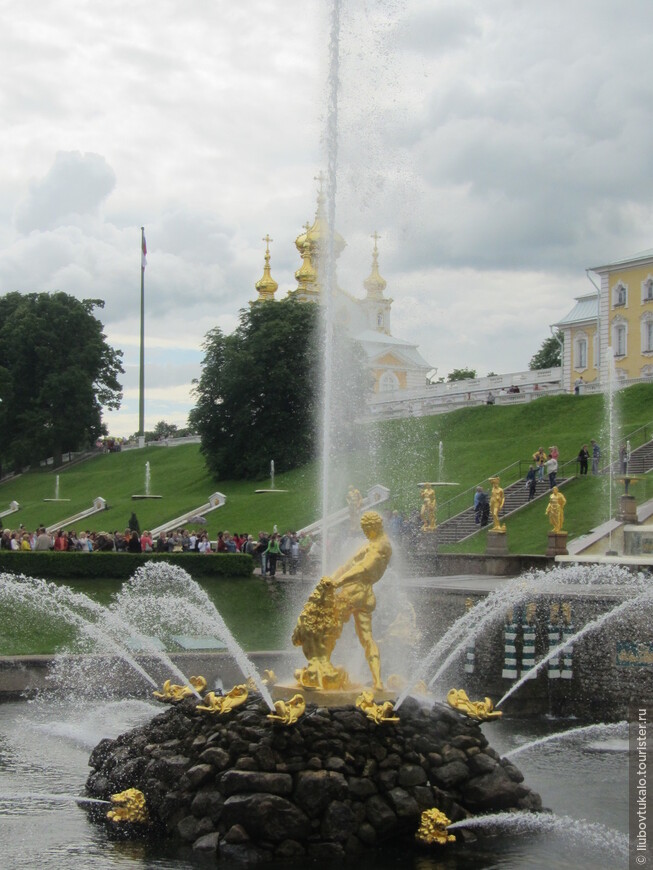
[498, 148]
[76, 185]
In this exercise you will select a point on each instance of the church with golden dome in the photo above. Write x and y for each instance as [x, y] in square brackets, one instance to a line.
[395, 364]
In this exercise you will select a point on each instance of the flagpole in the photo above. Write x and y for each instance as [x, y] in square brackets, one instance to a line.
[141, 381]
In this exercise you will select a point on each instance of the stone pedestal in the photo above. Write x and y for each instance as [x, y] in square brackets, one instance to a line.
[557, 545]
[329, 697]
[627, 509]
[497, 544]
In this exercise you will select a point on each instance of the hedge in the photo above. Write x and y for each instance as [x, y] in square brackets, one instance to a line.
[50, 565]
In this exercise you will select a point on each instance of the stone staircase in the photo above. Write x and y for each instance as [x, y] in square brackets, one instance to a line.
[641, 459]
[463, 525]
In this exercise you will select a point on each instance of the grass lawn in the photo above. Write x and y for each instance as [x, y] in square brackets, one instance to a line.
[477, 442]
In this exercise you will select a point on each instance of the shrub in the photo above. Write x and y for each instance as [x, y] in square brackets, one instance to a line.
[51, 565]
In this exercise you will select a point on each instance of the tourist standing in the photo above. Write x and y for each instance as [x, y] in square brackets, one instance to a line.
[539, 458]
[583, 458]
[531, 482]
[43, 540]
[596, 455]
[273, 552]
[552, 470]
[479, 500]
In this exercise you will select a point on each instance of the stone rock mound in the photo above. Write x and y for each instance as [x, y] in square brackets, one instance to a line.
[240, 787]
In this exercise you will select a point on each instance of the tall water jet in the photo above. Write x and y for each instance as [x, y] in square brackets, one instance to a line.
[147, 479]
[610, 426]
[327, 267]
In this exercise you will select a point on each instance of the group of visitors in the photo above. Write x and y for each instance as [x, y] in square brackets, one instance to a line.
[585, 454]
[542, 462]
[289, 550]
[129, 541]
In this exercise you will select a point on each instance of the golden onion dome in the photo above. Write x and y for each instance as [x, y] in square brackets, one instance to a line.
[266, 285]
[375, 284]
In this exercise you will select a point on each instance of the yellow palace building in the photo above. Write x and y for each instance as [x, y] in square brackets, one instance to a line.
[615, 320]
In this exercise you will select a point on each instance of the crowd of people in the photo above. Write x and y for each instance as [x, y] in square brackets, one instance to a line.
[271, 549]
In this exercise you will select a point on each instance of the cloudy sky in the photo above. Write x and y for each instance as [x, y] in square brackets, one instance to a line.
[498, 148]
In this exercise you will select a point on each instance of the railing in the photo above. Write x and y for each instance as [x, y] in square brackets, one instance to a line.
[517, 471]
[510, 474]
[464, 500]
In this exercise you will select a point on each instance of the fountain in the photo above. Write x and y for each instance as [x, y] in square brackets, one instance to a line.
[272, 487]
[56, 492]
[249, 784]
[147, 493]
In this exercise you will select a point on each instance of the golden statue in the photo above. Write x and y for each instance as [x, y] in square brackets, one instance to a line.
[172, 692]
[378, 713]
[318, 628]
[565, 609]
[531, 612]
[269, 677]
[347, 592]
[429, 508]
[354, 503]
[479, 710]
[288, 712]
[497, 499]
[129, 806]
[224, 703]
[555, 510]
[433, 828]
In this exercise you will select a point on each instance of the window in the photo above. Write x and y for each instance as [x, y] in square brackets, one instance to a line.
[580, 355]
[619, 340]
[388, 382]
[647, 290]
[619, 295]
[379, 319]
[647, 333]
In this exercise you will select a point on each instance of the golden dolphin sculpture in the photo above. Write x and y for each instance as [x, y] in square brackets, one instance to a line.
[173, 692]
[479, 710]
[224, 703]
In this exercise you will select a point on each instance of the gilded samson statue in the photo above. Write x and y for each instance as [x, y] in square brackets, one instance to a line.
[347, 592]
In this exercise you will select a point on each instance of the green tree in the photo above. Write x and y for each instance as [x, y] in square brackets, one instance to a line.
[257, 395]
[549, 355]
[461, 375]
[57, 372]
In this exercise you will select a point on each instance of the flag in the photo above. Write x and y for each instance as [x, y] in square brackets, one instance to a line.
[143, 252]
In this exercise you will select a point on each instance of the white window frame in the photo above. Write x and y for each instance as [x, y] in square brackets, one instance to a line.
[620, 295]
[388, 382]
[647, 289]
[580, 343]
[646, 334]
[619, 327]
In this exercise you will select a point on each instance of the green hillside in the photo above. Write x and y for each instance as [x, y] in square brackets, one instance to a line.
[476, 443]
